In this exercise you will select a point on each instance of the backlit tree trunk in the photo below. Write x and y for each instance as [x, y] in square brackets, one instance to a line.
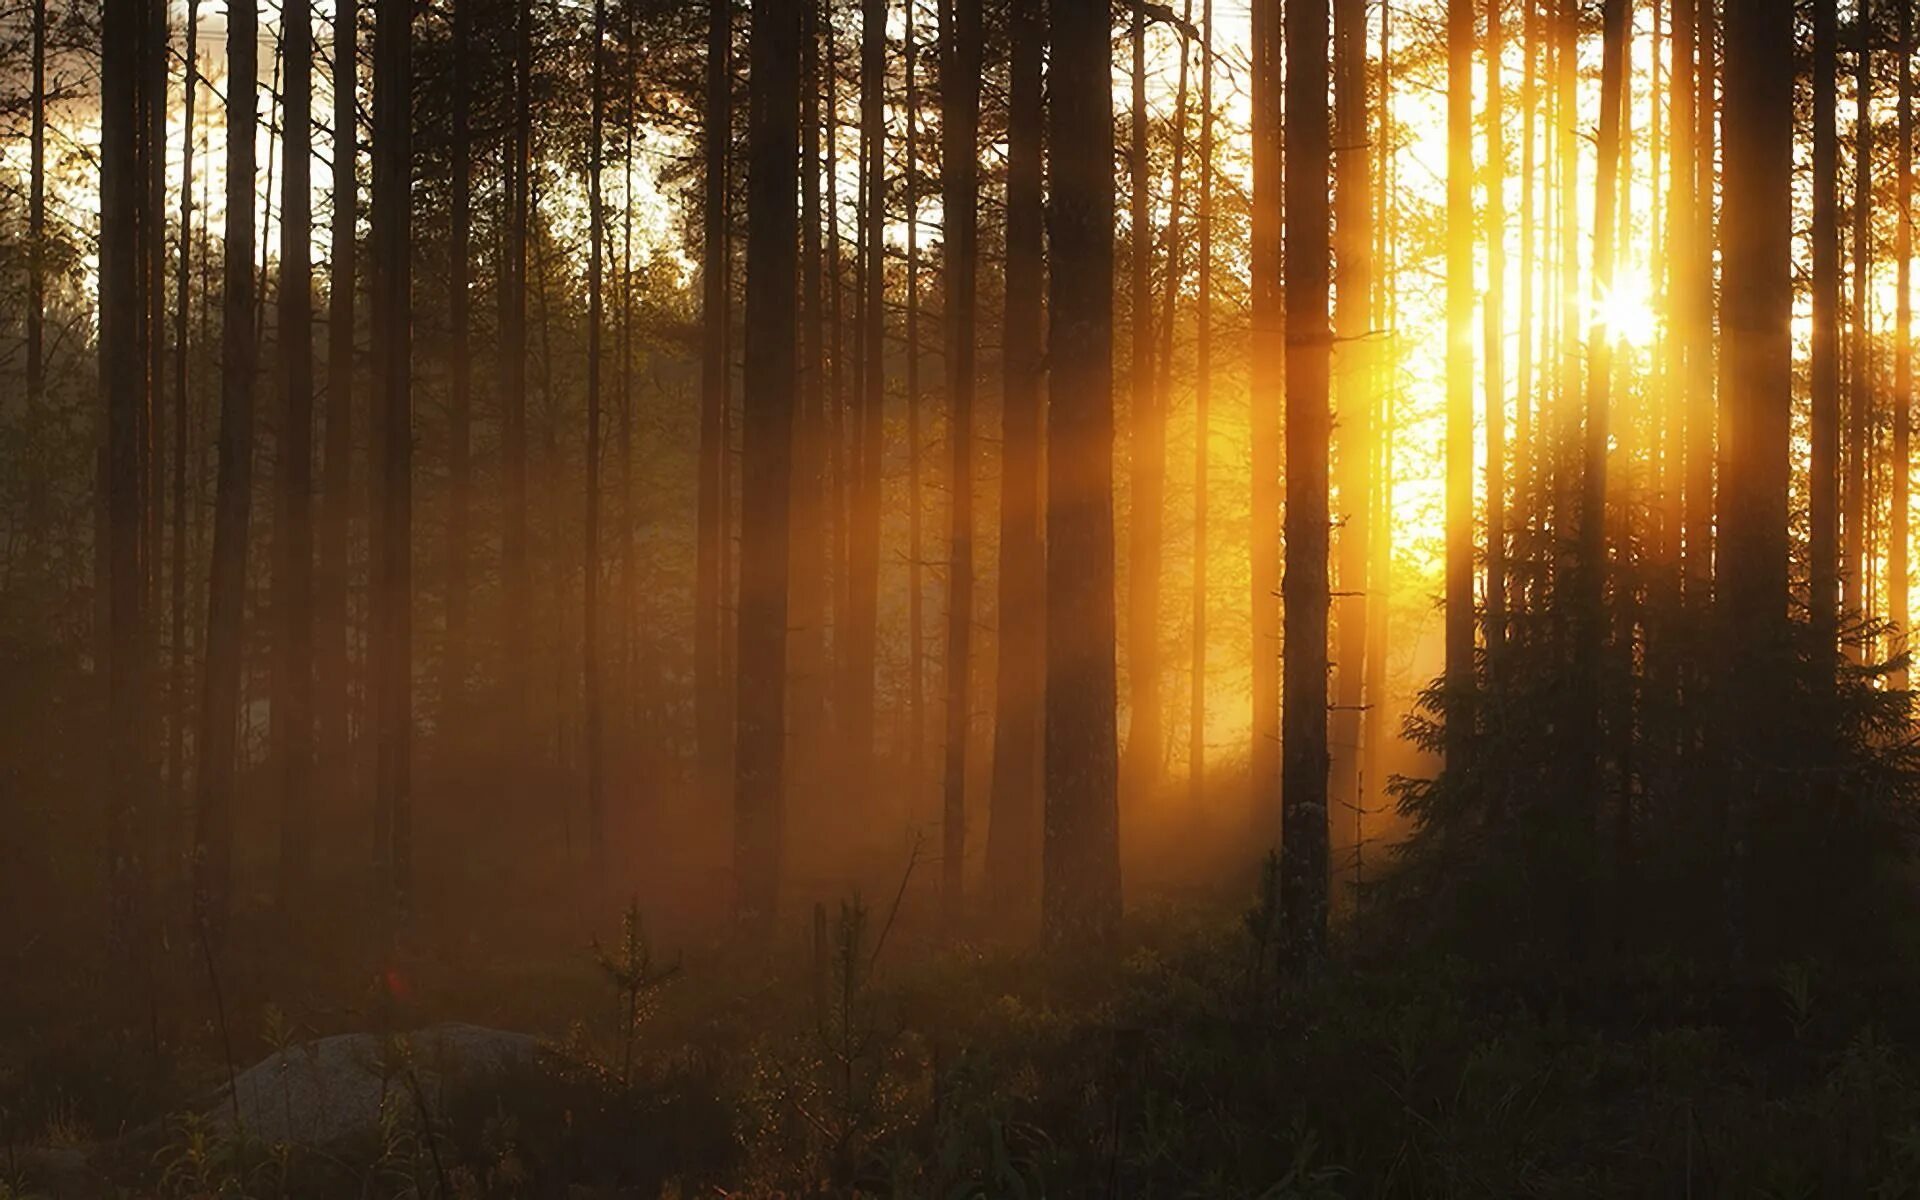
[1081, 862]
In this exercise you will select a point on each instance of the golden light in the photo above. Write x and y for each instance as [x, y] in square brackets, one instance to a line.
[1627, 313]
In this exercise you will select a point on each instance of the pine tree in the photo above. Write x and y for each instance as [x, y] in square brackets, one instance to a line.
[773, 134]
[1081, 860]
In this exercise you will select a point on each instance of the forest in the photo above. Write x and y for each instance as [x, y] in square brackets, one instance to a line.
[1266, 599]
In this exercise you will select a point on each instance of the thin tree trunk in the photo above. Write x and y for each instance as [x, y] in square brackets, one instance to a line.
[916, 584]
[1303, 847]
[1374, 735]
[37, 483]
[454, 669]
[1354, 396]
[960, 67]
[1697, 319]
[293, 469]
[1589, 574]
[123, 380]
[716, 270]
[514, 565]
[1014, 827]
[1494, 322]
[391, 589]
[1824, 483]
[1175, 253]
[808, 678]
[1524, 440]
[1756, 406]
[183, 289]
[768, 388]
[233, 497]
[1081, 860]
[330, 585]
[1459, 369]
[864, 535]
[590, 618]
[1860, 390]
[1148, 453]
[1202, 430]
[1902, 350]
[1266, 349]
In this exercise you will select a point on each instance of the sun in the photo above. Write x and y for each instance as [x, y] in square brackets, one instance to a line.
[1627, 313]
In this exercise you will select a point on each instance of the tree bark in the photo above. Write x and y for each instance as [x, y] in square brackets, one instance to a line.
[233, 496]
[123, 381]
[1202, 429]
[716, 270]
[590, 619]
[331, 660]
[1824, 481]
[1860, 389]
[1013, 829]
[1355, 393]
[960, 68]
[293, 468]
[1266, 348]
[454, 669]
[1897, 581]
[1459, 639]
[1303, 845]
[773, 133]
[1147, 447]
[1081, 860]
[864, 532]
[391, 590]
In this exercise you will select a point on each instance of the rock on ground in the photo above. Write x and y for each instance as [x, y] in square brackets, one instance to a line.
[334, 1089]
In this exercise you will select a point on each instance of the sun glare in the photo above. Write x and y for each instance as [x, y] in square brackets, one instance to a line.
[1628, 314]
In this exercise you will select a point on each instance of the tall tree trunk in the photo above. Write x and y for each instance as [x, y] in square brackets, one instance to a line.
[1897, 583]
[336, 507]
[123, 379]
[1494, 322]
[293, 469]
[916, 585]
[838, 461]
[1202, 430]
[1682, 335]
[1013, 829]
[864, 534]
[1697, 319]
[1147, 450]
[37, 484]
[1373, 734]
[183, 292]
[1266, 348]
[773, 133]
[454, 670]
[1174, 250]
[1303, 846]
[1824, 483]
[808, 680]
[1459, 368]
[715, 272]
[233, 496]
[1589, 573]
[1524, 442]
[1860, 389]
[1081, 860]
[1354, 396]
[1756, 406]
[590, 618]
[517, 580]
[391, 590]
[960, 67]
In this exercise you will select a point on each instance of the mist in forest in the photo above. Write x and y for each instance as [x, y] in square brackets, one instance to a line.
[954, 597]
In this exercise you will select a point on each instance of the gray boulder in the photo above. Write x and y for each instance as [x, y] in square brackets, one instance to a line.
[337, 1088]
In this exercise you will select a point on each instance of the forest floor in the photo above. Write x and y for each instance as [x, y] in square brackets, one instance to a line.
[880, 1061]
